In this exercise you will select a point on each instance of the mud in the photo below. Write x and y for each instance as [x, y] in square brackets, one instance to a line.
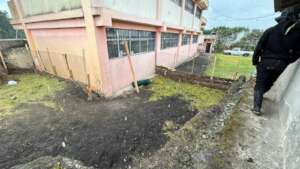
[105, 134]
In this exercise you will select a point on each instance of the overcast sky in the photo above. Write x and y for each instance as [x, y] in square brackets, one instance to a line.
[232, 13]
[241, 13]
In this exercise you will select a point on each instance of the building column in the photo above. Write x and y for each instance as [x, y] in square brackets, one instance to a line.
[157, 45]
[28, 35]
[195, 9]
[158, 9]
[179, 47]
[182, 11]
[93, 58]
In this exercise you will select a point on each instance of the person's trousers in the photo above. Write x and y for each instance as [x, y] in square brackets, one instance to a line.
[264, 81]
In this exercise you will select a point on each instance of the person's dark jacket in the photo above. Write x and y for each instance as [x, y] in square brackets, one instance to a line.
[270, 50]
[292, 42]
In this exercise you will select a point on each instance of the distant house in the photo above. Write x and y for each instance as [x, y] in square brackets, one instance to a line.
[84, 39]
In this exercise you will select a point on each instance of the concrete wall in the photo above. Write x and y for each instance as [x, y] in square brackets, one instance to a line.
[18, 58]
[171, 13]
[187, 20]
[54, 43]
[37, 7]
[10, 43]
[286, 94]
[143, 9]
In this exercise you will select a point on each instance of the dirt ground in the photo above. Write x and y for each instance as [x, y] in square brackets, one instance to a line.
[197, 66]
[105, 133]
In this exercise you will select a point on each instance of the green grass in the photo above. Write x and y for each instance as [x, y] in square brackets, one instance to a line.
[228, 66]
[199, 96]
[31, 88]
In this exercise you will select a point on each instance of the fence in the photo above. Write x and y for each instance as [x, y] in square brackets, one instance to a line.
[64, 65]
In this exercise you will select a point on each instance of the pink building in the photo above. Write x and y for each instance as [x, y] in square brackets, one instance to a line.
[84, 39]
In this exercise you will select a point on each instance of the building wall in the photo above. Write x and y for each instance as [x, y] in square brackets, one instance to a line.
[52, 44]
[171, 13]
[197, 24]
[38, 7]
[143, 9]
[187, 20]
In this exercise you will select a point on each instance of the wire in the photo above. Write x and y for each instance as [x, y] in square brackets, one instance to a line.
[241, 19]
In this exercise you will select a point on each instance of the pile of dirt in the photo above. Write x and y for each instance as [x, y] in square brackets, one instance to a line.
[104, 134]
[201, 142]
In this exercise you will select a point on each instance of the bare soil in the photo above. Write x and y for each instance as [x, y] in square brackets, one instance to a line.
[196, 66]
[106, 134]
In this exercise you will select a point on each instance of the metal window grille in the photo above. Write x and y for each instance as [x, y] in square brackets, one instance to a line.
[138, 41]
[195, 38]
[186, 39]
[178, 2]
[169, 40]
[189, 6]
[198, 13]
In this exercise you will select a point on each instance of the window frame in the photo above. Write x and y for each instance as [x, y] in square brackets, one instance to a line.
[188, 5]
[133, 36]
[195, 41]
[199, 13]
[169, 40]
[178, 2]
[186, 39]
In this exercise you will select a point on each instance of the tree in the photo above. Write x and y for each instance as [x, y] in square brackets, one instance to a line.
[226, 36]
[6, 30]
[235, 37]
[249, 41]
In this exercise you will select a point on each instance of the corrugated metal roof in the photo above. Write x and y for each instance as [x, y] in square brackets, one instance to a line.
[282, 4]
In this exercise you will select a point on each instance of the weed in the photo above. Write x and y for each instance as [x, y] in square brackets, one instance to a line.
[31, 88]
[199, 96]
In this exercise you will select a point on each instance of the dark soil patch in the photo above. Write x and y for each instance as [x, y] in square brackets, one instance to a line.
[200, 65]
[105, 134]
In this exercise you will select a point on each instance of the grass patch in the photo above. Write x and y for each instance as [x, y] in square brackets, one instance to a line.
[228, 66]
[199, 96]
[31, 88]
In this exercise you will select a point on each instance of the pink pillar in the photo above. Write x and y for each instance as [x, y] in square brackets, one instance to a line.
[179, 46]
[105, 64]
[157, 45]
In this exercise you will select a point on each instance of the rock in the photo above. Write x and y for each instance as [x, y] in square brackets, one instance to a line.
[49, 162]
[250, 160]
[12, 83]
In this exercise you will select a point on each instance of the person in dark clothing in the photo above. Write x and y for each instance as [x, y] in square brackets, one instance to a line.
[276, 49]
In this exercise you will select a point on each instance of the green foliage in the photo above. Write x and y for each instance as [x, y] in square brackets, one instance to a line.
[231, 66]
[31, 88]
[249, 41]
[199, 96]
[6, 30]
[229, 38]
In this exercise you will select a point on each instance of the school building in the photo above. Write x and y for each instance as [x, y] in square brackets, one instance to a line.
[84, 40]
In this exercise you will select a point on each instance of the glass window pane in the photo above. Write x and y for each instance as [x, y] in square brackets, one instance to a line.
[151, 45]
[112, 49]
[111, 33]
[135, 47]
[144, 46]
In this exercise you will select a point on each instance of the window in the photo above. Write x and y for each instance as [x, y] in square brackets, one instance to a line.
[186, 39]
[178, 2]
[189, 6]
[195, 38]
[138, 42]
[198, 13]
[169, 40]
